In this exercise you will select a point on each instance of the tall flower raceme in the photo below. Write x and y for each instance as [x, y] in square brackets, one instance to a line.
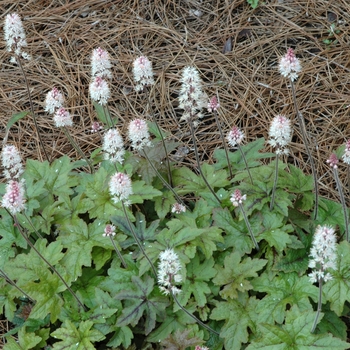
[139, 134]
[99, 90]
[15, 36]
[14, 197]
[15, 42]
[322, 258]
[11, 162]
[169, 272]
[237, 199]
[113, 146]
[280, 134]
[234, 138]
[333, 163]
[143, 73]
[100, 64]
[192, 100]
[289, 66]
[53, 101]
[120, 188]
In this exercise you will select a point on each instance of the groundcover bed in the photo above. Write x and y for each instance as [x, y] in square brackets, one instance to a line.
[174, 174]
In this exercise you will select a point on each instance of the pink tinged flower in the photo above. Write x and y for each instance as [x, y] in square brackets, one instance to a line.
[235, 136]
[191, 97]
[213, 104]
[143, 73]
[169, 272]
[120, 187]
[100, 64]
[15, 36]
[333, 161]
[109, 231]
[99, 90]
[62, 118]
[178, 208]
[13, 200]
[54, 100]
[113, 146]
[322, 254]
[289, 65]
[280, 134]
[201, 348]
[346, 155]
[237, 198]
[96, 127]
[12, 162]
[139, 134]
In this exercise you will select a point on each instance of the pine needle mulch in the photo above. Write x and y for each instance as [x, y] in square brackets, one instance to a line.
[235, 48]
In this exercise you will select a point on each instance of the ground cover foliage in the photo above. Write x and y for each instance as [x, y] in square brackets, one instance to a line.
[248, 298]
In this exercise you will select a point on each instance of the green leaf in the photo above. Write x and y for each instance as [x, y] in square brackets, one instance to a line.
[139, 302]
[236, 274]
[141, 192]
[283, 291]
[122, 336]
[330, 213]
[237, 315]
[235, 235]
[275, 232]
[103, 114]
[81, 338]
[337, 290]
[295, 334]
[253, 3]
[196, 283]
[26, 341]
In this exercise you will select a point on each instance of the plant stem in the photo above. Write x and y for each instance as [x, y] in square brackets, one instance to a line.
[193, 316]
[32, 226]
[13, 284]
[319, 305]
[138, 241]
[163, 180]
[77, 148]
[245, 162]
[274, 185]
[106, 113]
[342, 199]
[46, 262]
[248, 226]
[32, 108]
[119, 253]
[224, 144]
[198, 162]
[170, 178]
[305, 140]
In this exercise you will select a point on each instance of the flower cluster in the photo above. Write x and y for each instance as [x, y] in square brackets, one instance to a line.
[12, 162]
[143, 73]
[346, 155]
[191, 97]
[96, 127]
[113, 146]
[323, 254]
[120, 187]
[235, 136]
[280, 134]
[139, 134]
[289, 65]
[109, 231]
[237, 198]
[201, 348]
[168, 272]
[13, 199]
[333, 161]
[100, 64]
[54, 105]
[178, 208]
[15, 36]
[100, 69]
[213, 104]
